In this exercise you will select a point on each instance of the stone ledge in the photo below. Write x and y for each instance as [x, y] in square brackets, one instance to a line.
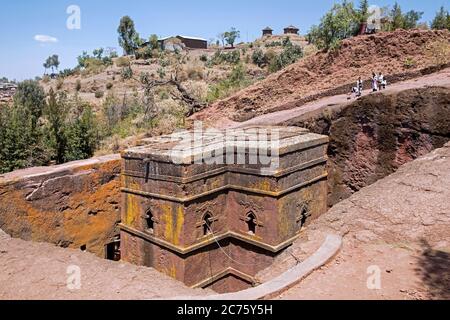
[205, 243]
[34, 172]
[224, 188]
[272, 288]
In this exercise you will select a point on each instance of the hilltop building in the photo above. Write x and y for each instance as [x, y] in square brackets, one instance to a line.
[291, 30]
[173, 43]
[267, 31]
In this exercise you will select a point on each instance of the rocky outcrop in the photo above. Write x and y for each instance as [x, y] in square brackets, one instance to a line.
[372, 137]
[400, 55]
[74, 205]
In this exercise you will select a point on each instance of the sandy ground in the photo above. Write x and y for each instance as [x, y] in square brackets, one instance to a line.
[31, 270]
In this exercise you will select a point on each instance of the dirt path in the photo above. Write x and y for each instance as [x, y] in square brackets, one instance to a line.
[399, 225]
[437, 79]
[30, 270]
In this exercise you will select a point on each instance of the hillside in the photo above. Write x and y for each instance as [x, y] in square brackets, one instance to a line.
[153, 92]
[196, 70]
[399, 55]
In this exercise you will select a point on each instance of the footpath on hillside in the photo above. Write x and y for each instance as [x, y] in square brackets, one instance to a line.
[439, 79]
[399, 55]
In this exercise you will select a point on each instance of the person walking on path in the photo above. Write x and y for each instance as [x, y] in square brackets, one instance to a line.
[374, 82]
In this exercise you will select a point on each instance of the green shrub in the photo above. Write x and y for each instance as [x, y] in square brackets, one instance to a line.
[81, 136]
[409, 63]
[164, 63]
[259, 58]
[290, 54]
[127, 73]
[204, 58]
[144, 53]
[99, 94]
[94, 66]
[78, 85]
[219, 57]
[109, 86]
[122, 62]
[236, 80]
[273, 44]
[161, 73]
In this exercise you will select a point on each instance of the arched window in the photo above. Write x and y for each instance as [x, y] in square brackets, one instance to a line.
[149, 222]
[207, 224]
[251, 223]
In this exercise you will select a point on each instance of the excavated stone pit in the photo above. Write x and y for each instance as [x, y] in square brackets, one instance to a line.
[77, 205]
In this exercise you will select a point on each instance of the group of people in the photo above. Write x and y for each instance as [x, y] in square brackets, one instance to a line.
[378, 83]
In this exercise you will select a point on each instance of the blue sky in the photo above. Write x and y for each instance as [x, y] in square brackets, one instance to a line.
[21, 56]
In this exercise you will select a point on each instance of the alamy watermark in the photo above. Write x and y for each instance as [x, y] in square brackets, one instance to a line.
[374, 278]
[74, 20]
[73, 281]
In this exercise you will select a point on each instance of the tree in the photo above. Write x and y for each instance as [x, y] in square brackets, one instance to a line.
[341, 22]
[397, 18]
[363, 12]
[411, 19]
[81, 136]
[154, 42]
[55, 61]
[127, 35]
[16, 138]
[52, 62]
[441, 20]
[448, 21]
[98, 53]
[30, 96]
[231, 36]
[46, 66]
[82, 59]
[259, 58]
[21, 143]
[221, 37]
[56, 113]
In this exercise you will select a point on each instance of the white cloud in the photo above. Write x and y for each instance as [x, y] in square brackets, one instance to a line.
[45, 39]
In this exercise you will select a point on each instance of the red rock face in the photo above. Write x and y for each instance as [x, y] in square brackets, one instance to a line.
[332, 73]
[219, 225]
[372, 137]
[72, 205]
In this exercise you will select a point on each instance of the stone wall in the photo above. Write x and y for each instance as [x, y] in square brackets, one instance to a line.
[216, 224]
[372, 137]
[74, 205]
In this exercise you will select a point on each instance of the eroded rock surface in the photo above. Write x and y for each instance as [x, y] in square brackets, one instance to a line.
[72, 205]
[375, 135]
